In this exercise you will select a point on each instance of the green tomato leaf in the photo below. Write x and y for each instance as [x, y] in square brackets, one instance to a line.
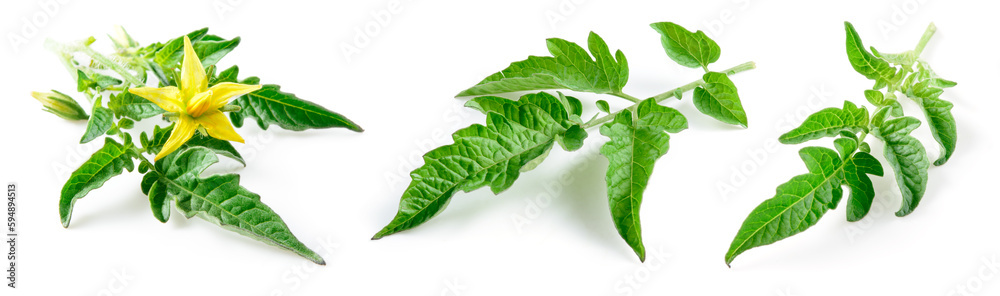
[797, 205]
[100, 122]
[270, 105]
[171, 52]
[107, 162]
[718, 98]
[569, 67]
[230, 74]
[157, 193]
[515, 134]
[94, 81]
[603, 106]
[573, 138]
[210, 49]
[876, 98]
[211, 52]
[856, 171]
[845, 146]
[132, 106]
[219, 199]
[632, 151]
[908, 160]
[864, 62]
[573, 105]
[938, 114]
[689, 49]
[656, 116]
[828, 122]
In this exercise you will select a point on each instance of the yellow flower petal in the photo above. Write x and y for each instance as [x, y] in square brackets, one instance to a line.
[182, 132]
[222, 92]
[168, 98]
[200, 103]
[192, 73]
[218, 126]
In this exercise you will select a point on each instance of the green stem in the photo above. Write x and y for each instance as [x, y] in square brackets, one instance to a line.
[626, 96]
[670, 94]
[928, 33]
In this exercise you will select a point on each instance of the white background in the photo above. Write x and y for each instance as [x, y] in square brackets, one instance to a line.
[335, 188]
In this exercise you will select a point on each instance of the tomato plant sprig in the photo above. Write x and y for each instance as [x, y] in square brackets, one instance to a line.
[192, 99]
[800, 202]
[518, 134]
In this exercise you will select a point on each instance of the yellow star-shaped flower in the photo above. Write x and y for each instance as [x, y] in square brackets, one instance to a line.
[195, 104]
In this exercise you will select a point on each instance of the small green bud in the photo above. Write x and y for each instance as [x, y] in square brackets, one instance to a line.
[230, 108]
[61, 105]
[122, 39]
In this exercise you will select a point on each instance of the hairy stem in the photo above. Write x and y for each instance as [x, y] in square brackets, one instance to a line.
[670, 94]
[626, 96]
[84, 47]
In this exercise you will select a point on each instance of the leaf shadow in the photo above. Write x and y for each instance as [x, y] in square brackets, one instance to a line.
[585, 200]
[124, 210]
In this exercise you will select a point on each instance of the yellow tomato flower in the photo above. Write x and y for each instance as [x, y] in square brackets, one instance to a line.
[195, 104]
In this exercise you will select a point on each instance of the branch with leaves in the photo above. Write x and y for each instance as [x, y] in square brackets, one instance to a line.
[518, 134]
[800, 202]
[192, 100]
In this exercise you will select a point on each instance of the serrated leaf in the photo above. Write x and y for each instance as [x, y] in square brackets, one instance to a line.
[171, 50]
[220, 199]
[269, 105]
[856, 171]
[158, 202]
[569, 133]
[515, 134]
[100, 122]
[908, 160]
[632, 151]
[657, 116]
[797, 205]
[210, 48]
[718, 98]
[939, 117]
[864, 62]
[531, 165]
[132, 106]
[104, 164]
[689, 49]
[230, 74]
[211, 52]
[569, 67]
[828, 122]
[555, 120]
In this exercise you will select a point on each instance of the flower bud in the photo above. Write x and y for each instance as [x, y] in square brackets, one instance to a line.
[122, 39]
[61, 105]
